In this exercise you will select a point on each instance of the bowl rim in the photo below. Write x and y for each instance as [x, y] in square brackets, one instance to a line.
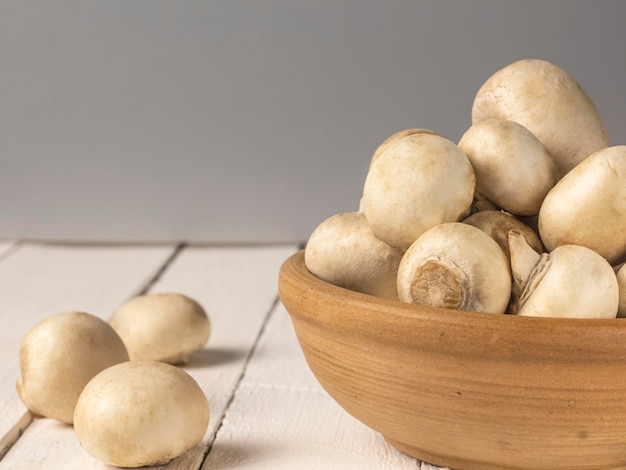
[308, 298]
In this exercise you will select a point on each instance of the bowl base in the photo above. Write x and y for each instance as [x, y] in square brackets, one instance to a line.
[454, 463]
[443, 461]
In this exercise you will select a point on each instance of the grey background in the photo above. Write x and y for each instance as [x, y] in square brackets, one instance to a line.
[252, 121]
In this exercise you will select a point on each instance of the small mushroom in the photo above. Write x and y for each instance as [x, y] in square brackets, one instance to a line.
[344, 251]
[164, 327]
[547, 101]
[140, 413]
[498, 224]
[398, 135]
[588, 206]
[59, 355]
[572, 281]
[420, 181]
[457, 266]
[513, 169]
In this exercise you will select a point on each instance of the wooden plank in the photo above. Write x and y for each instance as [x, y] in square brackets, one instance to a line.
[238, 287]
[281, 417]
[40, 280]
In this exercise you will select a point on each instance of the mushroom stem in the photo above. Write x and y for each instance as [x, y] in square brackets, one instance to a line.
[438, 285]
[455, 266]
[523, 258]
[527, 269]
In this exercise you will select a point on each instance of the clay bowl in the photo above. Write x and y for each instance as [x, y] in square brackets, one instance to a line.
[463, 389]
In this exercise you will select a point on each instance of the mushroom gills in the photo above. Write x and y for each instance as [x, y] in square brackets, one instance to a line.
[527, 268]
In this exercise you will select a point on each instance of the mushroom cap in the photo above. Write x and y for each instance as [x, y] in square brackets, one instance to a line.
[398, 135]
[455, 265]
[420, 181]
[140, 413]
[575, 282]
[59, 356]
[546, 100]
[588, 206]
[498, 224]
[513, 169]
[344, 251]
[164, 327]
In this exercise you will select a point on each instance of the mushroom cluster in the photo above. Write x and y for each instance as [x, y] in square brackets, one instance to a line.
[116, 382]
[524, 215]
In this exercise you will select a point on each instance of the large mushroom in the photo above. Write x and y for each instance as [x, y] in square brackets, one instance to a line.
[419, 181]
[59, 356]
[458, 266]
[140, 413]
[588, 206]
[549, 102]
[513, 169]
[344, 251]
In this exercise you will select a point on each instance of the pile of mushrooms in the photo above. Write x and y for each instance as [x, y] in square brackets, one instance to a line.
[116, 382]
[524, 215]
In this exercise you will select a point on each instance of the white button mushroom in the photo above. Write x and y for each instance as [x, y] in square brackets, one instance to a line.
[547, 101]
[457, 266]
[572, 281]
[164, 327]
[513, 169]
[588, 206]
[140, 413]
[420, 181]
[59, 356]
[344, 251]
[498, 224]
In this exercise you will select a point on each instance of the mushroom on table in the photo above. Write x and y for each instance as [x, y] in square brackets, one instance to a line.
[59, 356]
[140, 413]
[164, 327]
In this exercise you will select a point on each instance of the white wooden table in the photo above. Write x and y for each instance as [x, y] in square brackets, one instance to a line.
[267, 409]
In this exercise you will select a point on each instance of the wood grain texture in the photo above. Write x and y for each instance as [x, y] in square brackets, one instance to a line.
[237, 287]
[40, 280]
[282, 418]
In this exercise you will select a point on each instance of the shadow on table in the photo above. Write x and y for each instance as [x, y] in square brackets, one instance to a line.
[214, 357]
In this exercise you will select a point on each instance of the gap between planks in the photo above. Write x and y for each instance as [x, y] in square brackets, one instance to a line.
[250, 354]
[159, 272]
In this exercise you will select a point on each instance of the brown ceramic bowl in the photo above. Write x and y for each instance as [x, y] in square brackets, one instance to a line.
[466, 390]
